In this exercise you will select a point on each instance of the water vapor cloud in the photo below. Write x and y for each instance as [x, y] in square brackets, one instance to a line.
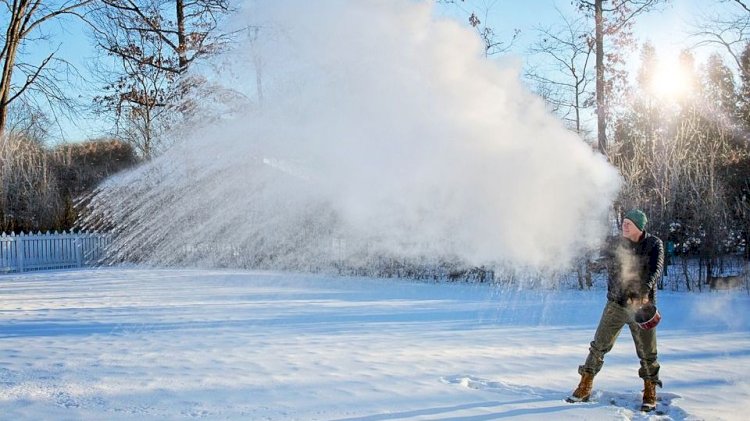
[383, 131]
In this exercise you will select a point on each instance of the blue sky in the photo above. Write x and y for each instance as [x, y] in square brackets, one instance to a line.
[667, 29]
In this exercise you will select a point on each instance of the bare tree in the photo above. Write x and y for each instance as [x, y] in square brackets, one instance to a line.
[730, 33]
[29, 197]
[137, 96]
[564, 77]
[28, 122]
[741, 3]
[153, 43]
[183, 30]
[25, 19]
[615, 20]
[477, 16]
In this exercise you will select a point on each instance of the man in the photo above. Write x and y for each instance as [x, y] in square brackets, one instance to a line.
[635, 264]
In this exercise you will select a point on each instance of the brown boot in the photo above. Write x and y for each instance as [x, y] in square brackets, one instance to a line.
[649, 396]
[583, 391]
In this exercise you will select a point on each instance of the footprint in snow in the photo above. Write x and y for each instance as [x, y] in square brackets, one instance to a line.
[628, 403]
[479, 383]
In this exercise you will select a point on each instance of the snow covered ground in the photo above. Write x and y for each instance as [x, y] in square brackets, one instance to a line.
[177, 344]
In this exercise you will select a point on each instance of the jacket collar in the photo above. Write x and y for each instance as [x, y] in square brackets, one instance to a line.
[640, 239]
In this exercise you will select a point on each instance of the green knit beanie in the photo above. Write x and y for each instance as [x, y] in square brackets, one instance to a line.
[638, 218]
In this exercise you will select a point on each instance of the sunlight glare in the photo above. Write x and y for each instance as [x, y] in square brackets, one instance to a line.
[670, 81]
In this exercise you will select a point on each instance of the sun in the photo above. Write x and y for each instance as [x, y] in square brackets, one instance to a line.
[670, 81]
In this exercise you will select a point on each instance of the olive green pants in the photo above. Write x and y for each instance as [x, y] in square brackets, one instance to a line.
[613, 319]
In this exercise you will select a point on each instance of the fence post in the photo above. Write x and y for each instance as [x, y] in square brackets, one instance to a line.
[79, 252]
[20, 251]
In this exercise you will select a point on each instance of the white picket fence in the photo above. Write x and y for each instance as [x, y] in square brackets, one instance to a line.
[26, 252]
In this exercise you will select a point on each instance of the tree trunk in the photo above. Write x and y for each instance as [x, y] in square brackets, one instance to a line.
[578, 107]
[259, 80]
[182, 44]
[12, 38]
[685, 264]
[600, 102]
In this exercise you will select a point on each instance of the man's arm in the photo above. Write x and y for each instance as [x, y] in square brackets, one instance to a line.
[655, 267]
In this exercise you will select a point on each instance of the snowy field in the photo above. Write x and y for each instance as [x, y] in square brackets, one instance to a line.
[181, 344]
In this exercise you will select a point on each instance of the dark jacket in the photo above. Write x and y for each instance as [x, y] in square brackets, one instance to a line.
[634, 268]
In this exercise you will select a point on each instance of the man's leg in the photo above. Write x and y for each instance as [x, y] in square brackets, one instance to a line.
[614, 317]
[645, 347]
[612, 320]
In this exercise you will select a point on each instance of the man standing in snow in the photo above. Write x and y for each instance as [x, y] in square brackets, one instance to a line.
[635, 264]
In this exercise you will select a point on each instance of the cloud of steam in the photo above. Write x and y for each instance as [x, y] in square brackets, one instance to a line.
[629, 277]
[726, 310]
[383, 131]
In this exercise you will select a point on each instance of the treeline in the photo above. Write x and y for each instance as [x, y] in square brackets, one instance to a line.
[39, 185]
[685, 157]
[679, 134]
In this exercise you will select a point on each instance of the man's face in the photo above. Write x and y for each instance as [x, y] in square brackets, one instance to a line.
[630, 231]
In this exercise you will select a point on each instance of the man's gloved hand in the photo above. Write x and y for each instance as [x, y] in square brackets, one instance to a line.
[636, 298]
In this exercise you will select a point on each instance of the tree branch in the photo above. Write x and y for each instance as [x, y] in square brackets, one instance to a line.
[66, 10]
[30, 79]
[743, 5]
